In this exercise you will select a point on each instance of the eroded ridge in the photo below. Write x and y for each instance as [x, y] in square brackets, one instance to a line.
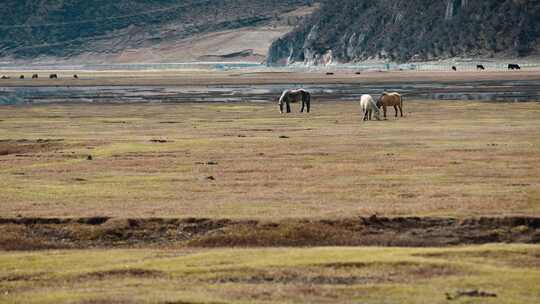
[105, 232]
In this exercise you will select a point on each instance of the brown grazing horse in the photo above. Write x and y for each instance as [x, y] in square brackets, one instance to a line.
[391, 100]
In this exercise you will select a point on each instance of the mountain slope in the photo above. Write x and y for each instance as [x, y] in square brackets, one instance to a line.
[133, 30]
[403, 30]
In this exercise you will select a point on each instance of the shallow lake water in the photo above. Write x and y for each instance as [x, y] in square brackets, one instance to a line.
[512, 91]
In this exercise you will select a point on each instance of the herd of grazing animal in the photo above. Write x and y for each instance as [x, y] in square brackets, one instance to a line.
[36, 76]
[481, 67]
[369, 107]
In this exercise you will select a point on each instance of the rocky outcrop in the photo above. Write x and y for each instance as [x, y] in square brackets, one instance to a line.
[404, 30]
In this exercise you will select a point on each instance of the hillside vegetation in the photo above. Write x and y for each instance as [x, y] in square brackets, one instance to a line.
[404, 30]
[66, 28]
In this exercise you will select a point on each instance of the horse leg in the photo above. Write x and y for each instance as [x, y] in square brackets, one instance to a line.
[395, 109]
[280, 107]
[401, 110]
[288, 107]
[303, 103]
[370, 112]
[306, 98]
[384, 111]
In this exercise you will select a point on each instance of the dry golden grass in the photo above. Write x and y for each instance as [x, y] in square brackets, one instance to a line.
[442, 158]
[479, 274]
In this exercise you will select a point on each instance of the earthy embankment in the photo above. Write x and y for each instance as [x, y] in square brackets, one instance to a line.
[103, 232]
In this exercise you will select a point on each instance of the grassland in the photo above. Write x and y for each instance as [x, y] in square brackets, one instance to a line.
[480, 274]
[246, 161]
[267, 179]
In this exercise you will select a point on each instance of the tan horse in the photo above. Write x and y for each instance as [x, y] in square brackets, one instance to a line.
[391, 100]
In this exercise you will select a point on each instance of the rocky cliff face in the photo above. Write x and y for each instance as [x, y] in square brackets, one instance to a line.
[124, 29]
[404, 30]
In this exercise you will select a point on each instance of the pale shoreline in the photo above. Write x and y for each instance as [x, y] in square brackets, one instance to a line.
[247, 77]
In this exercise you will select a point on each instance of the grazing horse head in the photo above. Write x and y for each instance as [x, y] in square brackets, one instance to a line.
[368, 106]
[379, 102]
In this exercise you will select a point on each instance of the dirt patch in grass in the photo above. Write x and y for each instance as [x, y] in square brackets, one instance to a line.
[23, 146]
[107, 301]
[373, 231]
[189, 302]
[121, 273]
[21, 277]
[327, 274]
[20, 237]
[530, 258]
[103, 232]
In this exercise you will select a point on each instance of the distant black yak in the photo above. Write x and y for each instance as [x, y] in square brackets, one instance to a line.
[53, 76]
[480, 67]
[513, 66]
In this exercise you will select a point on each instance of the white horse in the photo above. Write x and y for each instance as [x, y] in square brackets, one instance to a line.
[369, 106]
[291, 96]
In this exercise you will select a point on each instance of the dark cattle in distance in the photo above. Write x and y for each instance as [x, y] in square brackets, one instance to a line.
[35, 76]
[329, 73]
[53, 76]
[480, 67]
[76, 76]
[21, 77]
[513, 66]
[454, 68]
